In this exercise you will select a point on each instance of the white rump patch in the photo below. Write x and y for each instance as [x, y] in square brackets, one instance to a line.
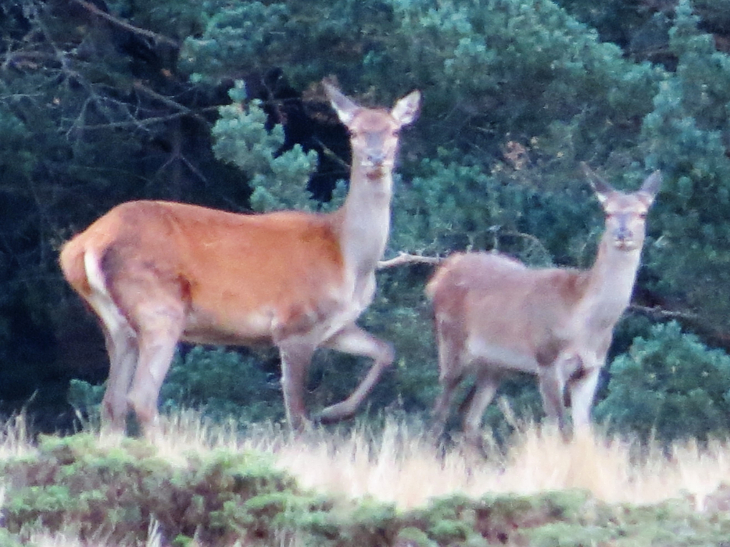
[100, 299]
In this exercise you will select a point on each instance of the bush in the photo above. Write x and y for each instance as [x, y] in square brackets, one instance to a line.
[668, 385]
[222, 384]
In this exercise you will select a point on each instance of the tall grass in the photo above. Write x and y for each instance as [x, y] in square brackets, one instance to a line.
[398, 463]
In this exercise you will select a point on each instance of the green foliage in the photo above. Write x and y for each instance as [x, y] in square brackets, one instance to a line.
[175, 19]
[685, 135]
[118, 491]
[224, 498]
[223, 385]
[668, 386]
[438, 212]
[310, 39]
[248, 32]
[241, 137]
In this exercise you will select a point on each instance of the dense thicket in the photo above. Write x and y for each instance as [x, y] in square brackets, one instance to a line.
[218, 103]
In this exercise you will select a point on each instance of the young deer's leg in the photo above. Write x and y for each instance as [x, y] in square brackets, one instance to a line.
[451, 373]
[582, 390]
[121, 345]
[485, 387]
[354, 340]
[159, 329]
[552, 386]
[442, 407]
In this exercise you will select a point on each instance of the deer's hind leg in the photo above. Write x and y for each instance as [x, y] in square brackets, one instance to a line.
[156, 310]
[121, 346]
[159, 329]
[485, 388]
[452, 370]
[123, 353]
[442, 407]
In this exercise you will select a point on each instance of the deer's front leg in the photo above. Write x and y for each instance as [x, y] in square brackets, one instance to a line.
[354, 340]
[552, 389]
[582, 390]
[296, 355]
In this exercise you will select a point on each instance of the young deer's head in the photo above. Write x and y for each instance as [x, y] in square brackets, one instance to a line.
[625, 213]
[373, 132]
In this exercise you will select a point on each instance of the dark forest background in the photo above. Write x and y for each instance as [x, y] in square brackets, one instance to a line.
[218, 103]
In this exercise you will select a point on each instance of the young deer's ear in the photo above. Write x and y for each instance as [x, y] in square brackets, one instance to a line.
[651, 186]
[407, 108]
[345, 107]
[599, 185]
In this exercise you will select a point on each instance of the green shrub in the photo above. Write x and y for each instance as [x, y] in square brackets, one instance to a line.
[668, 385]
[222, 384]
[118, 491]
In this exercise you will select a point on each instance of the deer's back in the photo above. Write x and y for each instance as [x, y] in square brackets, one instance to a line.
[497, 302]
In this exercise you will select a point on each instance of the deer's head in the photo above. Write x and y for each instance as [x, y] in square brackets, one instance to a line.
[625, 212]
[374, 132]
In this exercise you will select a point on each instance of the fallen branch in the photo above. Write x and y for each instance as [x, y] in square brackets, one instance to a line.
[405, 258]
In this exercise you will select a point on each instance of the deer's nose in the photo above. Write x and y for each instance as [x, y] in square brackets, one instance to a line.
[622, 233]
[376, 157]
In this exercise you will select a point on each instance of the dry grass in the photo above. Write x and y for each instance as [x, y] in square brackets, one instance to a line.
[399, 464]
[407, 470]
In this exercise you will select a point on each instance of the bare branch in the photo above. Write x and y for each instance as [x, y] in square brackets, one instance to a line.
[123, 24]
[144, 122]
[169, 102]
[666, 314]
[330, 154]
[405, 258]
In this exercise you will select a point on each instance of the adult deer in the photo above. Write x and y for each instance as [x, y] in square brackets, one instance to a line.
[493, 315]
[157, 272]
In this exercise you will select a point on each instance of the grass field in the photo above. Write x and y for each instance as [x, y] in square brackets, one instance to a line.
[398, 466]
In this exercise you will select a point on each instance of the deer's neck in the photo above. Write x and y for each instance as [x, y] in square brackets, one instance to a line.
[365, 222]
[609, 285]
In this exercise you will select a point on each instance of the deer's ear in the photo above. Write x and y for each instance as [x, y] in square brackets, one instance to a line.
[599, 185]
[406, 109]
[346, 109]
[651, 186]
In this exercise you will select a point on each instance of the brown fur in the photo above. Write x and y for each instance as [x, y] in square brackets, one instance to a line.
[494, 316]
[157, 272]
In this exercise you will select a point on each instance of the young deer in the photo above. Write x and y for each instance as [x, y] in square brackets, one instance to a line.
[157, 272]
[493, 315]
